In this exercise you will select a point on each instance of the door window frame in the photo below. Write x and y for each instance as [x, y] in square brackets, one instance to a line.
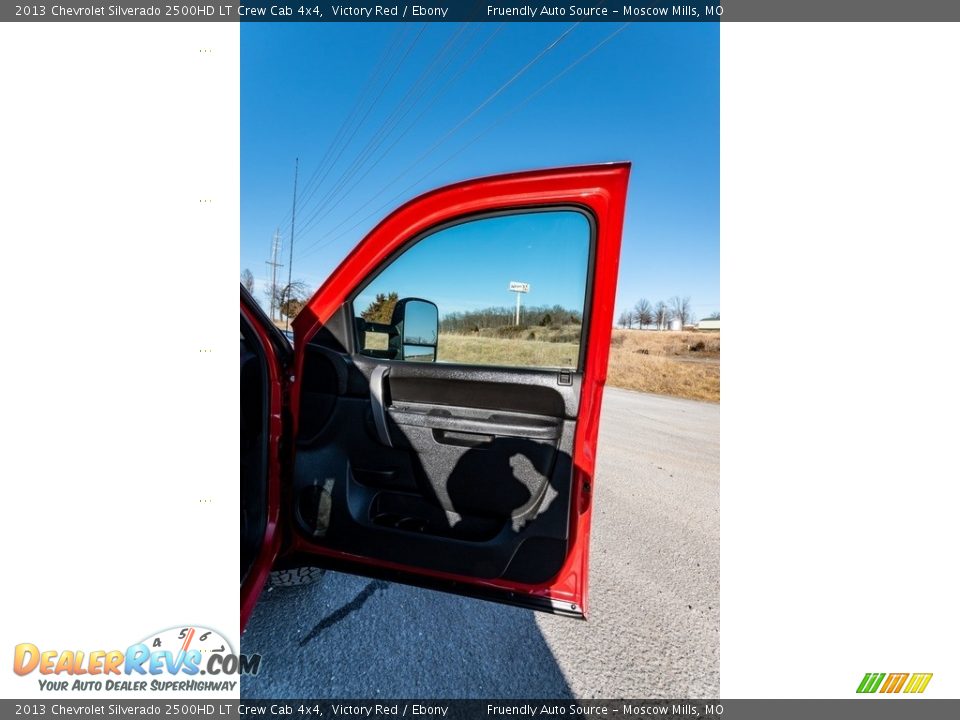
[585, 311]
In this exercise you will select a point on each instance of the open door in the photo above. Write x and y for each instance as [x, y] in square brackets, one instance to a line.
[448, 381]
[265, 359]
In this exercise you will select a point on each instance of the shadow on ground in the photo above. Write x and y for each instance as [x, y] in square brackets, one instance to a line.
[351, 637]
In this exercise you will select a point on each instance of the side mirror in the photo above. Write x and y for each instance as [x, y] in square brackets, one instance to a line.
[418, 325]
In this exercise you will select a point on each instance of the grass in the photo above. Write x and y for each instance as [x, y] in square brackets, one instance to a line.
[682, 364]
[503, 351]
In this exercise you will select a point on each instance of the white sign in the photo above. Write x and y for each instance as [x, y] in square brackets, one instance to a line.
[519, 287]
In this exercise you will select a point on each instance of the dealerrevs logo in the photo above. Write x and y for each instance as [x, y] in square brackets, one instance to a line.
[172, 659]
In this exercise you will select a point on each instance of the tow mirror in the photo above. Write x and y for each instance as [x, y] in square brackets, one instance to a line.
[418, 325]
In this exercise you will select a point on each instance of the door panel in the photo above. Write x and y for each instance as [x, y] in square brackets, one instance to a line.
[459, 485]
[462, 476]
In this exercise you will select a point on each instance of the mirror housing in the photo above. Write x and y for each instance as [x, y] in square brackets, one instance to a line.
[417, 324]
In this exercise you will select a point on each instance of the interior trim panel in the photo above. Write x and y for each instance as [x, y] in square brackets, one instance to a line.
[469, 473]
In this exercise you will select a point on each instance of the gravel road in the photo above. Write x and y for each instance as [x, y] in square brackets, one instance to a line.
[654, 627]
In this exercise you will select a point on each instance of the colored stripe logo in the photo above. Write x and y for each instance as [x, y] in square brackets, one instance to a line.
[894, 683]
[918, 683]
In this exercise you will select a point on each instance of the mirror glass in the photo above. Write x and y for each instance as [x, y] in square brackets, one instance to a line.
[419, 323]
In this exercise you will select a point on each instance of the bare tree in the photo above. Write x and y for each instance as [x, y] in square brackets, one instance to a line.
[643, 312]
[680, 307]
[626, 319]
[661, 315]
[246, 277]
[291, 298]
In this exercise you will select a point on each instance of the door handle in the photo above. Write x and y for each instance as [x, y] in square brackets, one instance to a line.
[377, 383]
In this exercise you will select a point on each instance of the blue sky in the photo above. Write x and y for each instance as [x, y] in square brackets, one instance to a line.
[547, 250]
[437, 103]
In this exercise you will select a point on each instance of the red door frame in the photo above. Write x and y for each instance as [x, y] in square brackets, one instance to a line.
[257, 576]
[602, 190]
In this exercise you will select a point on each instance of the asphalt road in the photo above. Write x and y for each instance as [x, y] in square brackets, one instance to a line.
[654, 626]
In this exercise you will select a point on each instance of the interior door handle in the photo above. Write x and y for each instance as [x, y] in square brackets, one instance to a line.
[377, 382]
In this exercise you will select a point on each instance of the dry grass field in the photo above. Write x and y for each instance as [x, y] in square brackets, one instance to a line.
[683, 364]
[505, 351]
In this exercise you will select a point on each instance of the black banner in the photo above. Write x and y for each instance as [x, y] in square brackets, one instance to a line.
[873, 708]
[491, 11]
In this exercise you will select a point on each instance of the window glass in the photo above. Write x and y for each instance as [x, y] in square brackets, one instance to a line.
[508, 290]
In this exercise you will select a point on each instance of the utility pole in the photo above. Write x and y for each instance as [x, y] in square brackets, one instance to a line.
[273, 264]
[293, 224]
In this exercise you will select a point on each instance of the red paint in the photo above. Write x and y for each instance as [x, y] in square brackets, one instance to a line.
[260, 571]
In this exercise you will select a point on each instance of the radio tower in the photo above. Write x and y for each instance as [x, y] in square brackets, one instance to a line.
[293, 223]
[273, 264]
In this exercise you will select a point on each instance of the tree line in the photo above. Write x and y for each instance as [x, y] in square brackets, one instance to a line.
[288, 299]
[659, 315]
[473, 321]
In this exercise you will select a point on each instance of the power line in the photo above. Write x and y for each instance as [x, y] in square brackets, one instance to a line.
[317, 246]
[347, 122]
[383, 132]
[388, 125]
[343, 189]
[342, 146]
[314, 220]
[546, 50]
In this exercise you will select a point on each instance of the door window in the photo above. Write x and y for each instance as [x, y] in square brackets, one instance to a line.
[509, 290]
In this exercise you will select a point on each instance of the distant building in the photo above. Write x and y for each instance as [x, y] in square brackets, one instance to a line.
[676, 325]
[709, 325]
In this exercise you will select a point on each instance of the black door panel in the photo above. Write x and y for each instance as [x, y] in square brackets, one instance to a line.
[523, 390]
[475, 476]
[471, 421]
[480, 473]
